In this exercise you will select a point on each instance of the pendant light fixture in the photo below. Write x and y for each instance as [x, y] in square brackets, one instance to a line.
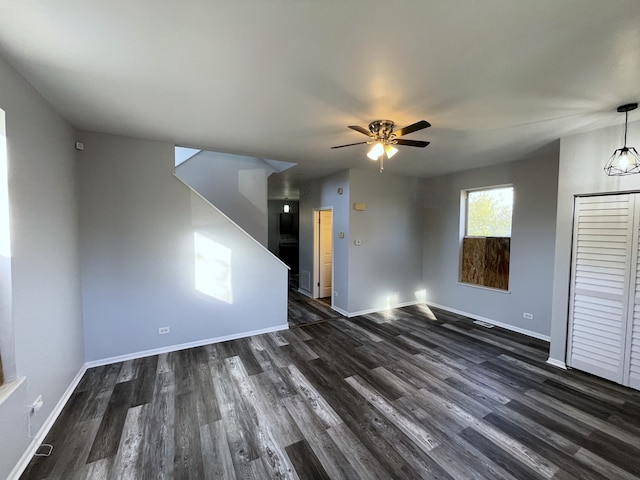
[625, 160]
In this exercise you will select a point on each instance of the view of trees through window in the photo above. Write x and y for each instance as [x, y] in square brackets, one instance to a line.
[489, 212]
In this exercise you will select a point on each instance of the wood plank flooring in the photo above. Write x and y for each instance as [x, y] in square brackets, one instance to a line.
[415, 393]
[303, 310]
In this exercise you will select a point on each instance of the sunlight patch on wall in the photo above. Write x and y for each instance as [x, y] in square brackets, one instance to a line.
[387, 304]
[212, 268]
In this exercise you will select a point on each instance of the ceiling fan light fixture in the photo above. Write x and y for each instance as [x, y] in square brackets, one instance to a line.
[376, 152]
[390, 150]
[625, 160]
[384, 138]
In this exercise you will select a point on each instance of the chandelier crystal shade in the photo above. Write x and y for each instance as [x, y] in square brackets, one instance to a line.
[625, 160]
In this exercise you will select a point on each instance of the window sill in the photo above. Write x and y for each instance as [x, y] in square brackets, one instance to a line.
[482, 287]
[7, 389]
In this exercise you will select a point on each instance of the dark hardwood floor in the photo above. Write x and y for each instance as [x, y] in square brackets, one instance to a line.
[303, 310]
[411, 394]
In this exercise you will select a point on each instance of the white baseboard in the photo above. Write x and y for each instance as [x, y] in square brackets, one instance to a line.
[44, 430]
[376, 310]
[342, 312]
[46, 426]
[506, 326]
[7, 389]
[557, 363]
[182, 346]
[305, 293]
[336, 309]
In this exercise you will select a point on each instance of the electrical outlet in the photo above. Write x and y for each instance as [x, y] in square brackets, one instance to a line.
[36, 405]
[397, 294]
[163, 330]
[335, 293]
[528, 316]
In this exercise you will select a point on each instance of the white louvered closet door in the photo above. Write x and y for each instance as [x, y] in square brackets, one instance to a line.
[632, 353]
[604, 246]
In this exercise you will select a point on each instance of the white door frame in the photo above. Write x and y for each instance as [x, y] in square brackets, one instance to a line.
[316, 252]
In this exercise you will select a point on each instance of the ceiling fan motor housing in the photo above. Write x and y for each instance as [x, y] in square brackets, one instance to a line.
[382, 129]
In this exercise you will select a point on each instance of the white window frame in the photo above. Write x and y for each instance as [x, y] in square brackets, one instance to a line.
[464, 199]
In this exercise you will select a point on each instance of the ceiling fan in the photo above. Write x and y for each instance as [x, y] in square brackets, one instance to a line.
[383, 138]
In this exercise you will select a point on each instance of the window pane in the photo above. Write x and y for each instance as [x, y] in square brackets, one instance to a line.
[489, 212]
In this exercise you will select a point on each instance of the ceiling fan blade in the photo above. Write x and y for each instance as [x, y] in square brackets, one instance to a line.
[350, 144]
[412, 143]
[412, 128]
[361, 130]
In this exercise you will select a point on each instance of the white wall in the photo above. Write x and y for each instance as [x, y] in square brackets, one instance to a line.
[137, 251]
[582, 159]
[389, 259]
[45, 267]
[324, 194]
[532, 244]
[235, 184]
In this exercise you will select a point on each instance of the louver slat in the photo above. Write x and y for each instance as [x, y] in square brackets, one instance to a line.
[600, 284]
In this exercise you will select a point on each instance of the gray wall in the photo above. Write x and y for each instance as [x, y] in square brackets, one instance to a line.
[235, 184]
[137, 233]
[532, 244]
[45, 266]
[389, 260]
[324, 194]
[582, 159]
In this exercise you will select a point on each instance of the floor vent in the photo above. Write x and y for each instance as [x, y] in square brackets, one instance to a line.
[483, 324]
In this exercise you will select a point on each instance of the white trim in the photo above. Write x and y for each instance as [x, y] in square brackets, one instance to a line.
[46, 426]
[316, 252]
[557, 363]
[333, 307]
[342, 312]
[482, 287]
[8, 388]
[305, 293]
[247, 234]
[506, 326]
[182, 346]
[376, 310]
[44, 430]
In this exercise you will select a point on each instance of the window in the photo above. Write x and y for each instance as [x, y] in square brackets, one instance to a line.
[486, 236]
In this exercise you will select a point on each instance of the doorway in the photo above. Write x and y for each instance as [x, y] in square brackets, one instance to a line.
[323, 258]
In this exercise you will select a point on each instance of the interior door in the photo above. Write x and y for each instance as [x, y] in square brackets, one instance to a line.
[632, 351]
[604, 234]
[326, 252]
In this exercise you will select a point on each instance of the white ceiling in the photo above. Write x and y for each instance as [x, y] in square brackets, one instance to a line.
[499, 80]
